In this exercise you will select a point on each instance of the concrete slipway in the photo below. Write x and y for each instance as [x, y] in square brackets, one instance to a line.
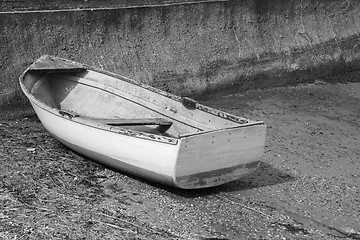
[308, 184]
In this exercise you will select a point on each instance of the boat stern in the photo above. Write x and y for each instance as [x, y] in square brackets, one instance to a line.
[218, 157]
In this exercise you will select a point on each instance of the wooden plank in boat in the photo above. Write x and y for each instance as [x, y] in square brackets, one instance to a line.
[164, 124]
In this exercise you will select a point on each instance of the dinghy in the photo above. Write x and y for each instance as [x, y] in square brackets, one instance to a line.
[141, 130]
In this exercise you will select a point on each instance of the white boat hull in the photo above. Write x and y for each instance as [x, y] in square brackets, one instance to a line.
[110, 119]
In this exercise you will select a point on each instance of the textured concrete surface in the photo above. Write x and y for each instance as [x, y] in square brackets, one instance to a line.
[188, 49]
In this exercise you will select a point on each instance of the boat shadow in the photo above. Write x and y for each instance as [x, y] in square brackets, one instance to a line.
[264, 175]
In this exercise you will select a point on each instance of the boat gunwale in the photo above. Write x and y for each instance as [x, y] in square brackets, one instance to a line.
[124, 131]
[127, 132]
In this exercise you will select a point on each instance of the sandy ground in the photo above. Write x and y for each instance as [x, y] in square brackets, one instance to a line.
[307, 187]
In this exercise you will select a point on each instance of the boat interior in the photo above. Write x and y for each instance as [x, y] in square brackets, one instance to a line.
[120, 102]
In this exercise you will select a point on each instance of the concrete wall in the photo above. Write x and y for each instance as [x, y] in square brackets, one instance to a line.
[190, 49]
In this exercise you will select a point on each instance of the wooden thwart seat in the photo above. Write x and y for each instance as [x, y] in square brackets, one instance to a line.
[163, 124]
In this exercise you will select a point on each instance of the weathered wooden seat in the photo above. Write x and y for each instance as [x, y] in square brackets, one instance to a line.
[163, 124]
